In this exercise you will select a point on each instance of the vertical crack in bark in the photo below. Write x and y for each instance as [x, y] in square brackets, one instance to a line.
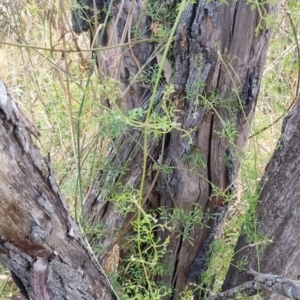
[209, 155]
[104, 210]
[174, 275]
[199, 264]
[233, 21]
[192, 19]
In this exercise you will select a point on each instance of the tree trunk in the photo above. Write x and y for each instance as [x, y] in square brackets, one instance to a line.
[39, 241]
[278, 214]
[219, 60]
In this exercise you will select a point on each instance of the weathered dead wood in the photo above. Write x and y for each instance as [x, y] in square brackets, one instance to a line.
[39, 241]
[216, 53]
[278, 213]
[267, 282]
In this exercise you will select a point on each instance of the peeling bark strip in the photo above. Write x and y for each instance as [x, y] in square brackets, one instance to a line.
[272, 283]
[219, 58]
[39, 241]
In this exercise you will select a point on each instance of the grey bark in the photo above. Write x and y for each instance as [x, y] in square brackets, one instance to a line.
[39, 241]
[266, 282]
[278, 213]
[216, 46]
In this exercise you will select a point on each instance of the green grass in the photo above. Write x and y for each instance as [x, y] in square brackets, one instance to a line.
[7, 286]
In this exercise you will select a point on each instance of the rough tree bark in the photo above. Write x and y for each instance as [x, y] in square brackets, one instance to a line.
[262, 282]
[39, 241]
[217, 54]
[278, 214]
